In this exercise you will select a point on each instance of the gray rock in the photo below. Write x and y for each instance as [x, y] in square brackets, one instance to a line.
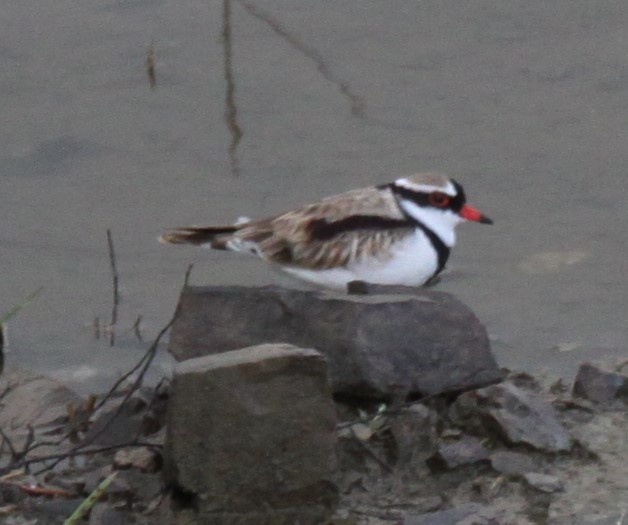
[467, 451]
[468, 514]
[251, 433]
[511, 464]
[29, 399]
[413, 430]
[105, 514]
[512, 415]
[133, 485]
[411, 339]
[543, 482]
[142, 458]
[57, 509]
[598, 385]
[118, 426]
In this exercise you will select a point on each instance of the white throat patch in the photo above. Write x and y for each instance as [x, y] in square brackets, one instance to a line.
[441, 222]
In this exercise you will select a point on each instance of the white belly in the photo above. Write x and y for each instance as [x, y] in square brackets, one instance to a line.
[414, 260]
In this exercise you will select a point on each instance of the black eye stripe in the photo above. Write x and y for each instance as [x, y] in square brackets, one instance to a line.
[423, 199]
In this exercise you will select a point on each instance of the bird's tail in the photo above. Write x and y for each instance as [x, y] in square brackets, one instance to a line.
[210, 236]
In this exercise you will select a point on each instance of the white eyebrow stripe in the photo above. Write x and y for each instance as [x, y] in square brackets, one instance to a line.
[449, 188]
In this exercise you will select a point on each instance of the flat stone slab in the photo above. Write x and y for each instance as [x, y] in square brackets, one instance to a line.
[251, 434]
[406, 339]
[513, 415]
[468, 451]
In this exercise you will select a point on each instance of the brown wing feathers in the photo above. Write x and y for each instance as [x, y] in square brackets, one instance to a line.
[326, 234]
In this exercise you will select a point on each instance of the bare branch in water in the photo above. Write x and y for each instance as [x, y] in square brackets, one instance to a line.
[150, 66]
[20, 459]
[9, 443]
[186, 277]
[96, 327]
[357, 103]
[116, 292]
[231, 111]
[136, 329]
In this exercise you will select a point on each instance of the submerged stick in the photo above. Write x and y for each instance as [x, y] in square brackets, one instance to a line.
[142, 366]
[150, 66]
[136, 329]
[116, 292]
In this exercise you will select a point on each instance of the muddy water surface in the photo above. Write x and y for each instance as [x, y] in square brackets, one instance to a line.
[262, 106]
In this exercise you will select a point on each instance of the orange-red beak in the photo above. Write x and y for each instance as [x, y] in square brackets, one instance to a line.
[473, 214]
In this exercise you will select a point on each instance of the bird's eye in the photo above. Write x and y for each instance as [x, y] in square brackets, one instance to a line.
[438, 199]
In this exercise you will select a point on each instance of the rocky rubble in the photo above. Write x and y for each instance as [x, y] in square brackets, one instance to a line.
[415, 463]
[255, 435]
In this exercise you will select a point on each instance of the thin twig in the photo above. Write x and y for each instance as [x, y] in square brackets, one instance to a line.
[146, 360]
[231, 110]
[30, 440]
[72, 453]
[149, 405]
[96, 327]
[150, 66]
[116, 293]
[142, 365]
[136, 329]
[81, 449]
[5, 439]
[186, 277]
[357, 103]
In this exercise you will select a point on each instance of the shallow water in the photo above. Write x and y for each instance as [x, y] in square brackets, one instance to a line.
[262, 106]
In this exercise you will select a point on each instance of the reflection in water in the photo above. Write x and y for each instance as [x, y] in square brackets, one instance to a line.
[150, 66]
[357, 103]
[231, 111]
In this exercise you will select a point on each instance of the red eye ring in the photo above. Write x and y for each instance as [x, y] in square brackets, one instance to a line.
[439, 199]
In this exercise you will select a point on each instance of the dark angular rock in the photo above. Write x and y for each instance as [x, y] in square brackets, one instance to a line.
[131, 485]
[598, 385]
[467, 451]
[512, 415]
[251, 436]
[94, 477]
[413, 430]
[414, 339]
[122, 425]
[57, 509]
[471, 513]
[10, 493]
[105, 514]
